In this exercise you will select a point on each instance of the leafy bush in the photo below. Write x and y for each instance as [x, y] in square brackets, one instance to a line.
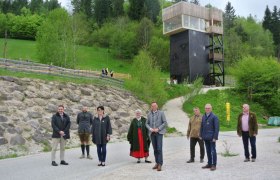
[159, 48]
[146, 80]
[260, 80]
[218, 100]
[119, 35]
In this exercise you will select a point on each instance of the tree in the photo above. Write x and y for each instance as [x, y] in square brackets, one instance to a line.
[17, 5]
[117, 8]
[136, 11]
[83, 6]
[51, 5]
[145, 79]
[123, 40]
[36, 6]
[144, 32]
[259, 79]
[159, 49]
[80, 33]
[6, 6]
[55, 40]
[267, 21]
[102, 10]
[3, 32]
[229, 17]
[151, 9]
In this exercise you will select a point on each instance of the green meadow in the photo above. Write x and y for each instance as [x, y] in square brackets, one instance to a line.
[89, 58]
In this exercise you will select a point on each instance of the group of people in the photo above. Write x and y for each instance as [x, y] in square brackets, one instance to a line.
[106, 72]
[99, 127]
[202, 129]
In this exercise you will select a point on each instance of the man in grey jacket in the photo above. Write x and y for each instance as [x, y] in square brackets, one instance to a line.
[84, 120]
[156, 123]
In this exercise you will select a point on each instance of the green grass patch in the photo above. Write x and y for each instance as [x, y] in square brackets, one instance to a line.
[47, 147]
[176, 90]
[89, 58]
[46, 77]
[171, 130]
[9, 156]
[19, 49]
[218, 99]
[279, 139]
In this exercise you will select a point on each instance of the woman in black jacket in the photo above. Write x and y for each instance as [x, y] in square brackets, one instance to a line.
[101, 131]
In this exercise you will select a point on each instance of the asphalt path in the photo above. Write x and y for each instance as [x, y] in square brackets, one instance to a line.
[119, 165]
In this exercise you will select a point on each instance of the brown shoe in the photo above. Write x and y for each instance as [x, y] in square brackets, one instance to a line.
[213, 168]
[206, 167]
[159, 168]
[156, 166]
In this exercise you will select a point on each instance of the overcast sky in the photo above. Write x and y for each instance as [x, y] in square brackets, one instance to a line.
[242, 7]
[245, 7]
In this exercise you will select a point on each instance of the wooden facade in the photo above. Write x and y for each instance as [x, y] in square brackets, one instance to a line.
[212, 17]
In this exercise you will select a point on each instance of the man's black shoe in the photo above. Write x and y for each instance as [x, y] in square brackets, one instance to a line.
[63, 163]
[190, 161]
[54, 163]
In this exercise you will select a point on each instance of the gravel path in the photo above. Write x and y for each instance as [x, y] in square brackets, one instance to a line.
[175, 116]
[175, 150]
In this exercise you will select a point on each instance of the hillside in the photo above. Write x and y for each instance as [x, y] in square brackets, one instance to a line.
[90, 58]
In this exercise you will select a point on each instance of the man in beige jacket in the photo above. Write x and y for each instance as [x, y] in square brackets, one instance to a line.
[193, 134]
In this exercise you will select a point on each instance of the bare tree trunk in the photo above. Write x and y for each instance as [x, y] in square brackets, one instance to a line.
[5, 45]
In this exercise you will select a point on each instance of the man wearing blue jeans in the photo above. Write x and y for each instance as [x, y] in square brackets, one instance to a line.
[247, 127]
[156, 123]
[209, 132]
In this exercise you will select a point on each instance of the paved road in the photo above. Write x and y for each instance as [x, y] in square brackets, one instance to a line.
[176, 152]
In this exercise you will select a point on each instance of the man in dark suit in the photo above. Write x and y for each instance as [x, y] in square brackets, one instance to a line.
[61, 132]
[209, 132]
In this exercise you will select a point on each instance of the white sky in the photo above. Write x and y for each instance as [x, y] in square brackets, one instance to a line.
[242, 7]
[245, 7]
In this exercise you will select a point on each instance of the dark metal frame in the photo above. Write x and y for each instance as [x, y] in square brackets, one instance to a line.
[217, 67]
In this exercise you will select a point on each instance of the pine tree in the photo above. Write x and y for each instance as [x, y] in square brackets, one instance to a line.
[17, 5]
[83, 6]
[267, 20]
[136, 9]
[229, 17]
[102, 10]
[117, 8]
[151, 9]
[6, 6]
[36, 6]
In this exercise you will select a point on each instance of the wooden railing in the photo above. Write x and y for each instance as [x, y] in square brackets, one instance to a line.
[29, 66]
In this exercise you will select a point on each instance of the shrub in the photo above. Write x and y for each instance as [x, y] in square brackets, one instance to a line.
[260, 80]
[159, 48]
[145, 79]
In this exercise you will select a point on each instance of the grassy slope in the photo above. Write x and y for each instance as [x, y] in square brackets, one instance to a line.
[93, 58]
[218, 100]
